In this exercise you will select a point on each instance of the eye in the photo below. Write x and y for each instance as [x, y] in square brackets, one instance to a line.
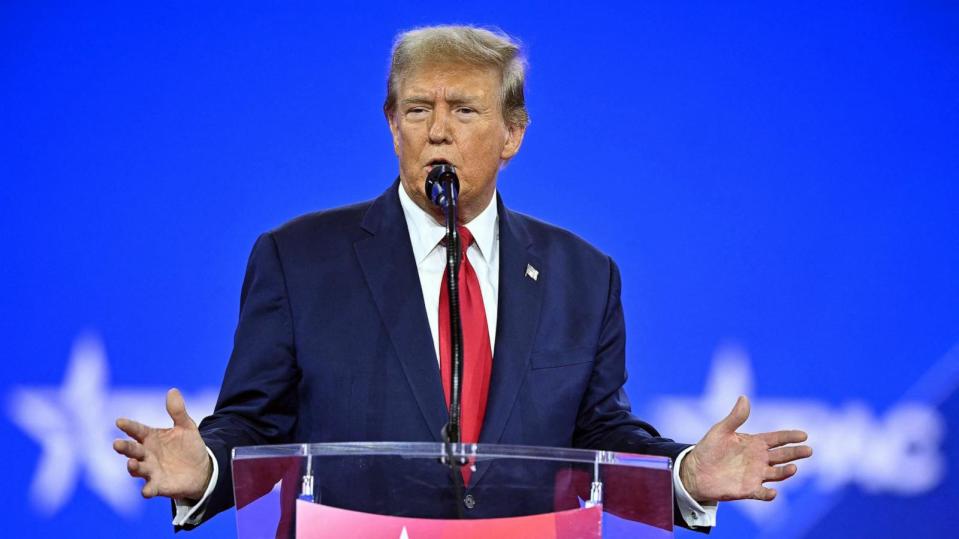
[466, 110]
[416, 111]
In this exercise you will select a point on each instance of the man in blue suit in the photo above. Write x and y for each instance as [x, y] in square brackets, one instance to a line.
[340, 328]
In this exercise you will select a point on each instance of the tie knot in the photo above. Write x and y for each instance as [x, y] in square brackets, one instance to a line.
[466, 238]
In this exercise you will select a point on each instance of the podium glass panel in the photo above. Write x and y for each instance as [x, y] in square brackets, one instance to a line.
[422, 490]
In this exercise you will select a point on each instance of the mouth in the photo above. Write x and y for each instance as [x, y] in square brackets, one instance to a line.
[433, 162]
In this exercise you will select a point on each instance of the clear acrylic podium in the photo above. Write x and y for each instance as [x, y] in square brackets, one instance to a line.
[410, 491]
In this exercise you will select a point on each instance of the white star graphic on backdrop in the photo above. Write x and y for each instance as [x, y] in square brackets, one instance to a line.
[74, 426]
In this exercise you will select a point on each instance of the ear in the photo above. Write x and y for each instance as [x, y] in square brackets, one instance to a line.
[514, 139]
[394, 131]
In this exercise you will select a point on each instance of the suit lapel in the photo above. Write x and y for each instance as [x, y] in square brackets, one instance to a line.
[518, 313]
[386, 258]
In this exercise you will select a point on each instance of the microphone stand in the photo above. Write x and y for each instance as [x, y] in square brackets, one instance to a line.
[442, 186]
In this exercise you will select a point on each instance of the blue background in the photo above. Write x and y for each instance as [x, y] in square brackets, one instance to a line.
[779, 177]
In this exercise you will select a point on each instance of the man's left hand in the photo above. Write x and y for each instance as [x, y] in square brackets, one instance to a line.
[727, 465]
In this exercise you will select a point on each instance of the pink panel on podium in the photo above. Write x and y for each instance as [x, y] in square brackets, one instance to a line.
[315, 521]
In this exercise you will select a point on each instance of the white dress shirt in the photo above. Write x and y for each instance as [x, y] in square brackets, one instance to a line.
[426, 235]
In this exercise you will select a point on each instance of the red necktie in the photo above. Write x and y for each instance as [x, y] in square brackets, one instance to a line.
[477, 353]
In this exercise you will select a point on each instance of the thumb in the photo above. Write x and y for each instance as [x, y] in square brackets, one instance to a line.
[177, 409]
[738, 415]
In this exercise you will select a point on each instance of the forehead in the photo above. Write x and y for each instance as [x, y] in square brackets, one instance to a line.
[480, 81]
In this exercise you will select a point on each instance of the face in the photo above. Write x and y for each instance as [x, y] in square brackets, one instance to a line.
[452, 113]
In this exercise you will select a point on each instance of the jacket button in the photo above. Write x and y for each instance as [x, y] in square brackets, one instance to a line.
[469, 501]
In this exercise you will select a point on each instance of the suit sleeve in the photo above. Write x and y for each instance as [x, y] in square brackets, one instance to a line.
[605, 419]
[258, 398]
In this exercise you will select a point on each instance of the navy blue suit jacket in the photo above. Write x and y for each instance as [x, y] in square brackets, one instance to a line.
[333, 343]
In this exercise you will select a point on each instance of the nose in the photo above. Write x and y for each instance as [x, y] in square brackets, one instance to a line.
[440, 126]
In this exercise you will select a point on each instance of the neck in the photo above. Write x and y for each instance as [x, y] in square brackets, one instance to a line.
[467, 210]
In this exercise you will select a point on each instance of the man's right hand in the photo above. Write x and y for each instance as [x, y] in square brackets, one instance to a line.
[174, 462]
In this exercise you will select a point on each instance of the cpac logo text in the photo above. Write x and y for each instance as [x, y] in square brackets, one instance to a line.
[896, 451]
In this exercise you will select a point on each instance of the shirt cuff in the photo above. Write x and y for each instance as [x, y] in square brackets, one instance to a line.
[695, 515]
[192, 514]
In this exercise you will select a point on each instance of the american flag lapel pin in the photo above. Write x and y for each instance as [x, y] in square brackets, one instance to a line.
[532, 272]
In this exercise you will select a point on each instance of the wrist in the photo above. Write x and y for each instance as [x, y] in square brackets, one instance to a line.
[687, 475]
[206, 472]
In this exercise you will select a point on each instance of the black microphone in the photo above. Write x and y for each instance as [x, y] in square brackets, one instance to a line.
[442, 185]
[442, 188]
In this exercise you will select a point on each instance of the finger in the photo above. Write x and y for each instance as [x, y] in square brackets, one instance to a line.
[783, 455]
[778, 473]
[783, 437]
[177, 409]
[765, 494]
[738, 415]
[138, 469]
[136, 430]
[149, 490]
[129, 448]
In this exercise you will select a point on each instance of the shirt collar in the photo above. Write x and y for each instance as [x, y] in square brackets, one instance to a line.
[426, 233]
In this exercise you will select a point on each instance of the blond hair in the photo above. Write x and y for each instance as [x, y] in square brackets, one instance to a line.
[468, 45]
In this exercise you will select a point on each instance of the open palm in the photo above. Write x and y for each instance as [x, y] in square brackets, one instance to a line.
[728, 465]
[173, 461]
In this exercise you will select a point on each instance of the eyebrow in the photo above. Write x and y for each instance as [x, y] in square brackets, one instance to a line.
[416, 100]
[452, 98]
